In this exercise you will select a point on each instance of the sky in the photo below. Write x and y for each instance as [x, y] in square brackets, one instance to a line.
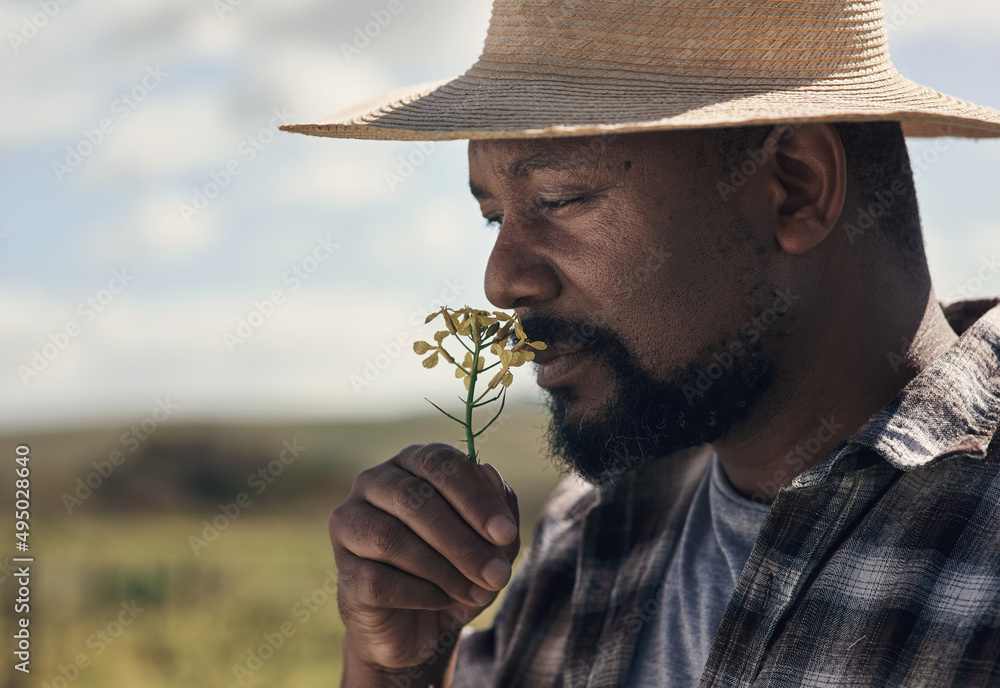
[162, 240]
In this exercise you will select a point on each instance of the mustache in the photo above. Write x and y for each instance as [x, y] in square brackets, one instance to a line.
[567, 335]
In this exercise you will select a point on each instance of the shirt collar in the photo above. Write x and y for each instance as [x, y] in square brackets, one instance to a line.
[952, 408]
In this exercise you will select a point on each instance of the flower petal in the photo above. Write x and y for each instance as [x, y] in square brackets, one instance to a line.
[497, 378]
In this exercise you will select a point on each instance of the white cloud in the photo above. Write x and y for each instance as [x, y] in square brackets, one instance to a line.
[166, 337]
[153, 233]
[314, 80]
[167, 137]
[435, 232]
[305, 353]
[338, 177]
[964, 267]
[915, 19]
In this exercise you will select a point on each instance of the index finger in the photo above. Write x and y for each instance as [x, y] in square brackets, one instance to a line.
[467, 489]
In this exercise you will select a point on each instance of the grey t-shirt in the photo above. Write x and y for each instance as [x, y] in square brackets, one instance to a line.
[699, 580]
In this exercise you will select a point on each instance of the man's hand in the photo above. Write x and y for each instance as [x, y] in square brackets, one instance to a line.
[423, 543]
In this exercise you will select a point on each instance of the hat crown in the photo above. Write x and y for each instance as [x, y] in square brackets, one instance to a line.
[701, 42]
[594, 67]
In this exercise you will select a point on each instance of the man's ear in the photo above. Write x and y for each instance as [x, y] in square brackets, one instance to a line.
[809, 183]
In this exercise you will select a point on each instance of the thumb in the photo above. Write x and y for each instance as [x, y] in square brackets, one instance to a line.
[493, 475]
[502, 488]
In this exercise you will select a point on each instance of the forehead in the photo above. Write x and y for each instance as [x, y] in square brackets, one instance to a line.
[518, 159]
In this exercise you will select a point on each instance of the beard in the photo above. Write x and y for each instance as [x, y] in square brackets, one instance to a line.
[646, 417]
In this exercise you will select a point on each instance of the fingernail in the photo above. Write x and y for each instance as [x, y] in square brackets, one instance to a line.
[501, 529]
[480, 595]
[496, 573]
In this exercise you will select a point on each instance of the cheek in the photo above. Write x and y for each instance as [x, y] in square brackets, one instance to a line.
[644, 269]
[673, 297]
[599, 259]
[634, 254]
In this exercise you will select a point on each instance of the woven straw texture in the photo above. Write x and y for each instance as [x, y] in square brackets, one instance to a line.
[578, 68]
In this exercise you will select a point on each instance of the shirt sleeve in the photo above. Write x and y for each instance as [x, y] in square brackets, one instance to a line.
[485, 656]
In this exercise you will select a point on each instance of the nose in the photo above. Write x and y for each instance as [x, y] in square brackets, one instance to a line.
[520, 272]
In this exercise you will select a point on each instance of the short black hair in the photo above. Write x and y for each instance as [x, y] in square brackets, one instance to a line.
[878, 163]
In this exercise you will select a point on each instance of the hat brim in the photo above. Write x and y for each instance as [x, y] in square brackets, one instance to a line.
[471, 107]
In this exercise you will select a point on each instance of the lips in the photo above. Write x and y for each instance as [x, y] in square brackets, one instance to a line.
[556, 365]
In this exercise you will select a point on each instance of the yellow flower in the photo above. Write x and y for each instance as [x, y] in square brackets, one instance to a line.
[478, 331]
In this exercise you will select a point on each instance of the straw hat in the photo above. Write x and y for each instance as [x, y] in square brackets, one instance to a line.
[589, 67]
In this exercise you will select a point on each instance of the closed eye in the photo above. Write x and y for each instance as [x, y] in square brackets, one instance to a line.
[561, 203]
[496, 221]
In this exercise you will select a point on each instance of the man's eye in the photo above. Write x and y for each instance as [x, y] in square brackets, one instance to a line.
[494, 222]
[561, 203]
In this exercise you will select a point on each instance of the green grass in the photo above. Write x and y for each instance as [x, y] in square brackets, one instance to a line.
[203, 612]
[200, 615]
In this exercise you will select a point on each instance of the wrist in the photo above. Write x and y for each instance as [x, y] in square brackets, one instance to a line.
[360, 674]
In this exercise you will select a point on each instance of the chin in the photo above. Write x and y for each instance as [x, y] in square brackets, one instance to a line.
[613, 415]
[581, 410]
[601, 438]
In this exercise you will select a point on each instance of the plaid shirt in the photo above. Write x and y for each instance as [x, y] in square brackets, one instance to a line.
[880, 566]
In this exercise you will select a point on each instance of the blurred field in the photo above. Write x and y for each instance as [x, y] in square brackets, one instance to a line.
[192, 615]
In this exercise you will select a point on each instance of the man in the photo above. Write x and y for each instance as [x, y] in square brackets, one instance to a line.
[791, 457]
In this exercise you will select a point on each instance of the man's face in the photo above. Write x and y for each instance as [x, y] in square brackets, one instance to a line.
[621, 253]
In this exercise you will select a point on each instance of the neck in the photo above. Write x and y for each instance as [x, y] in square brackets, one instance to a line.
[859, 356]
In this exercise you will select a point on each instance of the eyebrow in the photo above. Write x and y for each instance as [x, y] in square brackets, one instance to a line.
[538, 162]
[524, 167]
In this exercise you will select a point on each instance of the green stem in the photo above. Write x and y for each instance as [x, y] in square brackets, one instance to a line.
[444, 412]
[481, 396]
[470, 438]
[464, 345]
[487, 426]
[487, 402]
